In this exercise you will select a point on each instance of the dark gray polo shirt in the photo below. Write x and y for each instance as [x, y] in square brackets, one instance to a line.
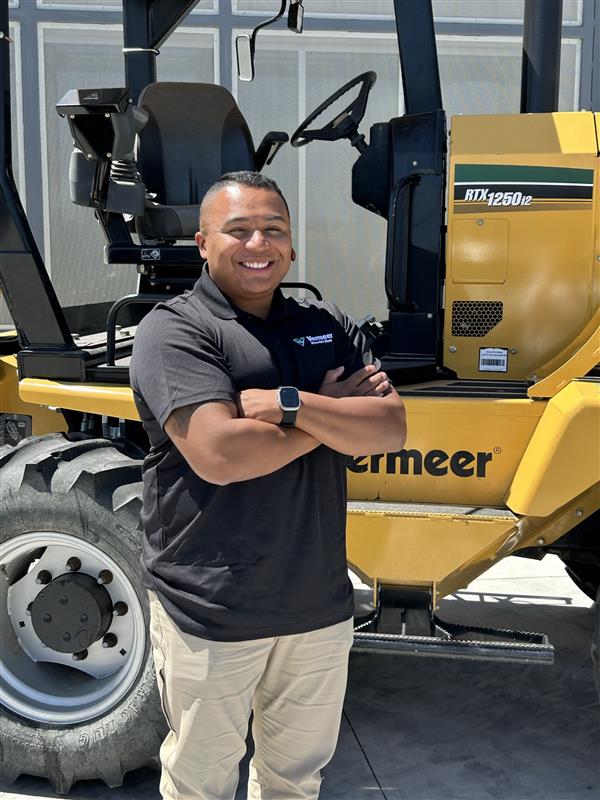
[255, 558]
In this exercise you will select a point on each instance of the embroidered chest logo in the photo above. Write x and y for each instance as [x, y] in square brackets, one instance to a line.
[324, 338]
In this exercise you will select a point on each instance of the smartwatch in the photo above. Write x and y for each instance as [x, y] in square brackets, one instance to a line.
[288, 400]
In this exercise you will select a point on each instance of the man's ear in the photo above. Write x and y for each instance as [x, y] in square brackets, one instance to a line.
[200, 240]
[293, 253]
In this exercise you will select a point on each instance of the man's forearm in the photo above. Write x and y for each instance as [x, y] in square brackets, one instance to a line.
[353, 425]
[247, 448]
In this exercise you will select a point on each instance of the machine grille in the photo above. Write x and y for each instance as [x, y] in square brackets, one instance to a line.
[475, 317]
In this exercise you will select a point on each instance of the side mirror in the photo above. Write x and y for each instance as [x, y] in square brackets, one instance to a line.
[295, 20]
[244, 49]
[244, 43]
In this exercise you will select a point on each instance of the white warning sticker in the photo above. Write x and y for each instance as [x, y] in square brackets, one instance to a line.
[493, 359]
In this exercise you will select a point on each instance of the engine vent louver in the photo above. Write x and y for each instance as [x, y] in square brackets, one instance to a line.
[475, 317]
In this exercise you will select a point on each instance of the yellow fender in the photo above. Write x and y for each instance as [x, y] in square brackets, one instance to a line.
[562, 459]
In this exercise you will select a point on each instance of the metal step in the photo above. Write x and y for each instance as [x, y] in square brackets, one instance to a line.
[510, 646]
[427, 510]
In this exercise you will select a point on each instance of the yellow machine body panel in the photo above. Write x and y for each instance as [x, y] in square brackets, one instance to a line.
[523, 277]
[18, 412]
[563, 456]
[446, 551]
[110, 401]
[414, 549]
[565, 368]
[458, 450]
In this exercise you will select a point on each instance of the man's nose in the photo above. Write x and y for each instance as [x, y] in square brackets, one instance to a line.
[257, 241]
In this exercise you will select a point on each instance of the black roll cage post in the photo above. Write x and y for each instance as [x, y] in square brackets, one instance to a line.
[418, 56]
[24, 281]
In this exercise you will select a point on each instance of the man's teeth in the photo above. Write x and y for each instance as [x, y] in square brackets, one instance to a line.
[256, 264]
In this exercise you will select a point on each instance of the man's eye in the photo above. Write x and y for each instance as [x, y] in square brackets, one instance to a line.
[237, 231]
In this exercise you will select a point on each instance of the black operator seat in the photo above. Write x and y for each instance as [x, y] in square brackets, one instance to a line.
[195, 132]
[154, 162]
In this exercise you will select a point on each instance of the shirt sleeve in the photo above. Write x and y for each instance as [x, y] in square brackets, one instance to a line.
[352, 345]
[176, 364]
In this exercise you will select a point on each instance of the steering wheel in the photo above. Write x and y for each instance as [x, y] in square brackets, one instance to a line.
[345, 124]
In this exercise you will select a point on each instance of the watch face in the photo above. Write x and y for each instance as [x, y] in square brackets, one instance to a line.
[289, 398]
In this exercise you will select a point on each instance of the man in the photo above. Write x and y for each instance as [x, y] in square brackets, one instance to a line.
[244, 504]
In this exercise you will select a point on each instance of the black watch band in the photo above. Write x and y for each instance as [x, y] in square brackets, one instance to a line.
[288, 399]
[289, 419]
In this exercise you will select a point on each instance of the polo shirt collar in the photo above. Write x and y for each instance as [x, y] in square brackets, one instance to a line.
[222, 307]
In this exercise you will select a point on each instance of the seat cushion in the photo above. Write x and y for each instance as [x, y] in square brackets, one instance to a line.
[195, 133]
[168, 222]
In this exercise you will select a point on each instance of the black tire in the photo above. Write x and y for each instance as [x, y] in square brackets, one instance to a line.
[585, 576]
[83, 497]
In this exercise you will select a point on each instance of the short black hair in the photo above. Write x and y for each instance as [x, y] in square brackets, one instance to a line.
[255, 180]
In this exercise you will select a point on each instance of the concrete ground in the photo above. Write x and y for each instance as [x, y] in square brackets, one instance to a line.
[429, 729]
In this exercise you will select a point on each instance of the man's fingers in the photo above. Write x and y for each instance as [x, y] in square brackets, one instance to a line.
[380, 390]
[330, 385]
[368, 380]
[332, 375]
[373, 381]
[375, 385]
[360, 375]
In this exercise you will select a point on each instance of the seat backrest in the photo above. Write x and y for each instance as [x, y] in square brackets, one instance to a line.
[194, 134]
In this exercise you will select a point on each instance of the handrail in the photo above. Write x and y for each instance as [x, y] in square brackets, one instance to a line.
[396, 258]
[111, 319]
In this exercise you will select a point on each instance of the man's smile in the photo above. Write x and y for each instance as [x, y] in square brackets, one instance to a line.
[256, 265]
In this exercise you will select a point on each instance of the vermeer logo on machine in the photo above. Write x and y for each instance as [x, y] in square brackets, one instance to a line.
[438, 463]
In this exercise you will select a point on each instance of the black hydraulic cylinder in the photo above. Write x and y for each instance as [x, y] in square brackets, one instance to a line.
[540, 75]
[418, 56]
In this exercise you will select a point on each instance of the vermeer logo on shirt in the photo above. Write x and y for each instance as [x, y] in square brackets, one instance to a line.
[324, 338]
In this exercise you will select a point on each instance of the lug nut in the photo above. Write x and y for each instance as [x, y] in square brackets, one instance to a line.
[73, 564]
[80, 656]
[66, 637]
[47, 618]
[109, 640]
[120, 609]
[43, 577]
[104, 577]
[83, 618]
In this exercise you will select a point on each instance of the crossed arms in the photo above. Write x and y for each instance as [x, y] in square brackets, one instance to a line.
[224, 443]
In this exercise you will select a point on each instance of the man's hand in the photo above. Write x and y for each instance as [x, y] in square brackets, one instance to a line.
[366, 382]
[260, 404]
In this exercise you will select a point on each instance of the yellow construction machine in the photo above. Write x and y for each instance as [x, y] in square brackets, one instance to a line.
[492, 275]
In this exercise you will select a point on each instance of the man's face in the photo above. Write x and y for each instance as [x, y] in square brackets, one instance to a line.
[246, 240]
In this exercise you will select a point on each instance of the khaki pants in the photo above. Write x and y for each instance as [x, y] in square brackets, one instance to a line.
[294, 684]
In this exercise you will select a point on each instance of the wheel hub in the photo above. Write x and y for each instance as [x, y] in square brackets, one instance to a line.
[71, 613]
[42, 676]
